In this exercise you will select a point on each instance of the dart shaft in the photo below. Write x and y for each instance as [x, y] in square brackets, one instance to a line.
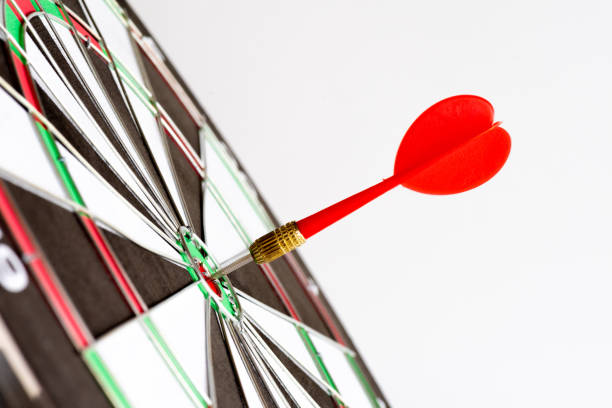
[316, 222]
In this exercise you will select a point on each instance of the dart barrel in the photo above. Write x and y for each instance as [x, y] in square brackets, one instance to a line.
[276, 243]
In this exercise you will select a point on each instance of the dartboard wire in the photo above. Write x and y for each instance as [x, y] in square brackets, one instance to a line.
[158, 117]
[251, 327]
[191, 108]
[161, 221]
[146, 322]
[210, 375]
[251, 324]
[16, 7]
[238, 224]
[270, 378]
[295, 322]
[167, 236]
[308, 284]
[17, 362]
[159, 179]
[240, 183]
[248, 364]
[114, 267]
[44, 275]
[62, 47]
[58, 299]
[143, 184]
[75, 207]
[23, 73]
[277, 286]
[274, 366]
[143, 92]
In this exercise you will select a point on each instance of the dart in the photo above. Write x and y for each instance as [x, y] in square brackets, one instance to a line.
[452, 147]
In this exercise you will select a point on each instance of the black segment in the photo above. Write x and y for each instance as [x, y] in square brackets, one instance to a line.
[62, 374]
[188, 181]
[345, 336]
[227, 388]
[251, 280]
[154, 278]
[12, 394]
[299, 297]
[108, 83]
[73, 256]
[61, 122]
[320, 396]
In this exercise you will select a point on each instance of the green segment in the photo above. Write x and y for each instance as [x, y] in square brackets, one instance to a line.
[314, 353]
[59, 164]
[365, 384]
[173, 364]
[216, 146]
[199, 253]
[110, 387]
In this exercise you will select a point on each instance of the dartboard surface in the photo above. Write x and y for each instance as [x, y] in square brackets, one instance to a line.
[118, 200]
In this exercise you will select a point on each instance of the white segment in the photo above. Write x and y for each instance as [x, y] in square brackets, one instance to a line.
[288, 381]
[180, 319]
[139, 370]
[232, 194]
[248, 388]
[343, 375]
[82, 118]
[284, 333]
[115, 35]
[103, 202]
[221, 237]
[153, 134]
[98, 93]
[22, 151]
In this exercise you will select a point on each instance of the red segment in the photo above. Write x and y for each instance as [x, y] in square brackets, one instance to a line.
[212, 285]
[43, 276]
[81, 30]
[280, 290]
[314, 298]
[26, 82]
[113, 266]
[25, 6]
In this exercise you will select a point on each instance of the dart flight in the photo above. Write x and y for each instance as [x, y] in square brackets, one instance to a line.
[453, 146]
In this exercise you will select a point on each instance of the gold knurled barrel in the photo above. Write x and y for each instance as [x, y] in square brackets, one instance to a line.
[277, 243]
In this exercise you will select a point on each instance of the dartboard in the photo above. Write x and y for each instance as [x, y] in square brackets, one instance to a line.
[119, 200]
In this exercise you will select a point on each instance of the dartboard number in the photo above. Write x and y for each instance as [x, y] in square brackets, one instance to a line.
[13, 274]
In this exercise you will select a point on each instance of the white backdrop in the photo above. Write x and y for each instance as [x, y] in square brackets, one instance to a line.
[496, 297]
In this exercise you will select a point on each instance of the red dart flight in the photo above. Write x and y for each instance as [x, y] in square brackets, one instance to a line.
[454, 146]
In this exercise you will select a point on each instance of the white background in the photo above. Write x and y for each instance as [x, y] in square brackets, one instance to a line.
[499, 297]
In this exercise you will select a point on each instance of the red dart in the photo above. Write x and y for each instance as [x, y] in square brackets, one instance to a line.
[454, 146]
